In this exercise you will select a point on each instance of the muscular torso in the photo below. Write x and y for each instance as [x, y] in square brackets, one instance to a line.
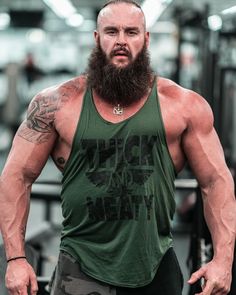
[67, 116]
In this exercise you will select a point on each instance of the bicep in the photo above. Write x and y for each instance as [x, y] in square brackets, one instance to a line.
[34, 139]
[203, 149]
[29, 153]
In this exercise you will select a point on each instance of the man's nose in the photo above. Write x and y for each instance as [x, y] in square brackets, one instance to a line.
[121, 39]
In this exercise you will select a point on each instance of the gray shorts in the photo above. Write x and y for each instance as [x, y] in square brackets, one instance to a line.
[68, 279]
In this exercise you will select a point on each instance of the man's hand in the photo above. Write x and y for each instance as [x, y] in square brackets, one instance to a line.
[217, 278]
[20, 277]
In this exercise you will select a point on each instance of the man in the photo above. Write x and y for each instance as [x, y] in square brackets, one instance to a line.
[119, 136]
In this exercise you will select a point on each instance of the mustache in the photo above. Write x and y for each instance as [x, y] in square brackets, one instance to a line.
[125, 51]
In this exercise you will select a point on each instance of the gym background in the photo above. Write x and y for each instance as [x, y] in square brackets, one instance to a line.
[45, 42]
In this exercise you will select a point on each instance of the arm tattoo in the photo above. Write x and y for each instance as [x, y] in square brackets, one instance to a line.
[40, 119]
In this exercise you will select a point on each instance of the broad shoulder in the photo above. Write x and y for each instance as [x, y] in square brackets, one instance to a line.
[64, 92]
[191, 106]
[47, 108]
[176, 93]
[53, 102]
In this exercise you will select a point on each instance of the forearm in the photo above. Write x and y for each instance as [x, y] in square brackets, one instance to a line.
[220, 214]
[14, 209]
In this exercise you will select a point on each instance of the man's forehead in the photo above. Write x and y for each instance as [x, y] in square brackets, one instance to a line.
[114, 13]
[119, 7]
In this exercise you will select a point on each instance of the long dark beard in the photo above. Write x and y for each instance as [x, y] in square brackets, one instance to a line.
[119, 85]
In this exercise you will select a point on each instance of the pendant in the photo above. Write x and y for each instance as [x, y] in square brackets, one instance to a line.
[118, 110]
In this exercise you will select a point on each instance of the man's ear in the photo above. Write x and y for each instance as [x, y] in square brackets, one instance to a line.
[96, 36]
[147, 39]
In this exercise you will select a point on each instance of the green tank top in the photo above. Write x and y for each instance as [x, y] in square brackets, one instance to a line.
[118, 195]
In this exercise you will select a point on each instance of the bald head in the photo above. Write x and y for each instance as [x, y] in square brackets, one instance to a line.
[116, 5]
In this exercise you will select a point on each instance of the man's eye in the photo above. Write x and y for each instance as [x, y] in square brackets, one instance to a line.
[111, 32]
[132, 33]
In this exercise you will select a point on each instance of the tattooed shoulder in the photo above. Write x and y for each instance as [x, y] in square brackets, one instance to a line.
[39, 124]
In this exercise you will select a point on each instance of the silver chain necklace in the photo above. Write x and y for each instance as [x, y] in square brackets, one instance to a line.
[118, 110]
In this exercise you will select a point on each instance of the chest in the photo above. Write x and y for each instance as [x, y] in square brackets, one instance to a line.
[68, 118]
[171, 115]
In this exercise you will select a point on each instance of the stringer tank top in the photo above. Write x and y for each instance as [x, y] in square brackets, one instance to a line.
[118, 195]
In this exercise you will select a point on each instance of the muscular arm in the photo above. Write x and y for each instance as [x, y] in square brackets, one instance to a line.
[205, 155]
[30, 150]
